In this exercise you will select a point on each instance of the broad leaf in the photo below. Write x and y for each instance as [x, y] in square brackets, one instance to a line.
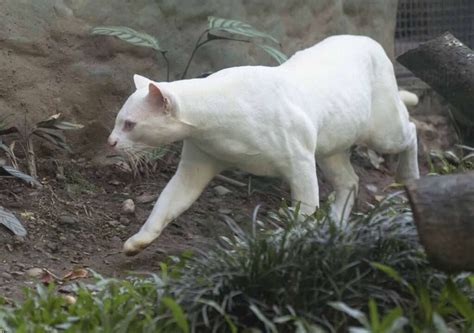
[18, 174]
[268, 324]
[130, 36]
[460, 301]
[439, 324]
[351, 312]
[54, 122]
[3, 122]
[54, 140]
[237, 27]
[11, 222]
[50, 121]
[279, 56]
[177, 312]
[65, 125]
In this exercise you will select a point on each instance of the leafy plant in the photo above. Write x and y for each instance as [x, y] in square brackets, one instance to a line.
[446, 162]
[9, 220]
[280, 273]
[217, 29]
[392, 322]
[50, 130]
[136, 38]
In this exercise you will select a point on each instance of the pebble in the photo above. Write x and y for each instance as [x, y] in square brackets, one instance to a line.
[221, 190]
[372, 188]
[128, 206]
[116, 239]
[6, 276]
[125, 221]
[146, 198]
[69, 299]
[68, 219]
[34, 272]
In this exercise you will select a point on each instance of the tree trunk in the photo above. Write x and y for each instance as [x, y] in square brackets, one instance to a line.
[447, 65]
[443, 208]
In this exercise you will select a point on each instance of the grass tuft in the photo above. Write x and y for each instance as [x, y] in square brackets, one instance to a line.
[278, 274]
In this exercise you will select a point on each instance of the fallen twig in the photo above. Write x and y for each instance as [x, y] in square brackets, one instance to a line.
[231, 181]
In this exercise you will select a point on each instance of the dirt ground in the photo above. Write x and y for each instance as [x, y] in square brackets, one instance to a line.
[76, 220]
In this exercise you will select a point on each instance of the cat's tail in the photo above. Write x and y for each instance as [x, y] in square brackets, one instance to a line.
[408, 98]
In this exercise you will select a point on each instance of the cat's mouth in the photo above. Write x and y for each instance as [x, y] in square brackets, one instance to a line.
[138, 157]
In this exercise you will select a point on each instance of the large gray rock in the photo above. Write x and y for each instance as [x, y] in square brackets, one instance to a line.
[50, 63]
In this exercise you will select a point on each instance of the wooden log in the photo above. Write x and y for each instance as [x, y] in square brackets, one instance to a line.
[443, 208]
[447, 65]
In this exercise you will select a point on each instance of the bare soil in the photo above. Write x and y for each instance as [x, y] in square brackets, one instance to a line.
[76, 221]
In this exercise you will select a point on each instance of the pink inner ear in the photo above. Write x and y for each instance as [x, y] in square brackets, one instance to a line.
[156, 95]
[154, 91]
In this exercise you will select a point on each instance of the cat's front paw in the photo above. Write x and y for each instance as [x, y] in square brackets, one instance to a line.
[135, 244]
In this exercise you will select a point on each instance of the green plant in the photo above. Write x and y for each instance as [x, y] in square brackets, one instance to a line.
[280, 273]
[451, 161]
[50, 130]
[455, 302]
[217, 29]
[392, 322]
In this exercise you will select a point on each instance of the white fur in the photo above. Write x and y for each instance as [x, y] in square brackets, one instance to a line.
[273, 121]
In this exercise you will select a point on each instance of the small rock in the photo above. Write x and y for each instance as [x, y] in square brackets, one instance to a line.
[115, 182]
[372, 188]
[123, 220]
[146, 198]
[6, 276]
[221, 190]
[34, 272]
[69, 299]
[68, 219]
[116, 239]
[2, 162]
[128, 206]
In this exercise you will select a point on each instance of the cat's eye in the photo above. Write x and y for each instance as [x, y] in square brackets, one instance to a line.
[128, 125]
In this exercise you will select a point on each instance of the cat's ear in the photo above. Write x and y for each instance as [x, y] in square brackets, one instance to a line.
[161, 101]
[140, 81]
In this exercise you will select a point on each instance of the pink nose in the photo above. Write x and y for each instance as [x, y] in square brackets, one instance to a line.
[112, 142]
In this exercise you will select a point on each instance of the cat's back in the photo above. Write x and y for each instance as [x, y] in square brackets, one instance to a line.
[338, 53]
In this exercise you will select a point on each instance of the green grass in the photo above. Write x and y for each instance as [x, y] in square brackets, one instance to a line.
[277, 274]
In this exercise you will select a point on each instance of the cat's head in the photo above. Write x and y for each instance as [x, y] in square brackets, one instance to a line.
[148, 118]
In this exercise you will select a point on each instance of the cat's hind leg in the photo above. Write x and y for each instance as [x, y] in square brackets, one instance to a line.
[194, 172]
[337, 169]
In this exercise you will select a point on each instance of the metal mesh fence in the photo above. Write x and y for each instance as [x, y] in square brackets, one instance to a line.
[421, 20]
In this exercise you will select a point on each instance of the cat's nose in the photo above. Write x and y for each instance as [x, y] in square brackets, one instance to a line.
[112, 141]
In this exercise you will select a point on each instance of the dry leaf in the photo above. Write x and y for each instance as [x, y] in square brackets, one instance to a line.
[78, 273]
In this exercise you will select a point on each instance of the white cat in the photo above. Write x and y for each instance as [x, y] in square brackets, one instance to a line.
[273, 121]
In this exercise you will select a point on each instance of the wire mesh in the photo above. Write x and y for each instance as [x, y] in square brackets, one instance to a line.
[421, 20]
